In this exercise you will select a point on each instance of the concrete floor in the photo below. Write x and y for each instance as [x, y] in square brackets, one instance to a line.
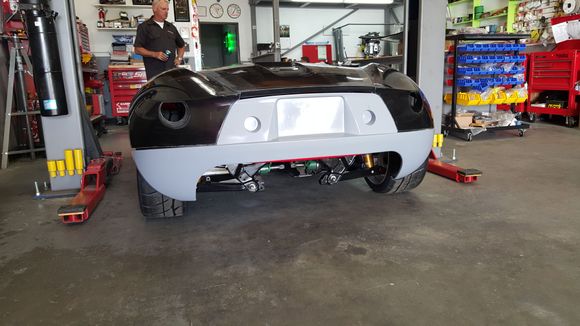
[502, 251]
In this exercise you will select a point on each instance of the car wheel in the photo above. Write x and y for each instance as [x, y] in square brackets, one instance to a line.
[155, 205]
[386, 183]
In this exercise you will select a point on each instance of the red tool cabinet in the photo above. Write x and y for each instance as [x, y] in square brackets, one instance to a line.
[124, 82]
[555, 71]
[317, 53]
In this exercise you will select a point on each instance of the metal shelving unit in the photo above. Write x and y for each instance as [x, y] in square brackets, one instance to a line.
[124, 6]
[450, 126]
[509, 16]
[116, 29]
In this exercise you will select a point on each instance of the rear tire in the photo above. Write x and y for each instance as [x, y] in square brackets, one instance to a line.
[387, 184]
[155, 205]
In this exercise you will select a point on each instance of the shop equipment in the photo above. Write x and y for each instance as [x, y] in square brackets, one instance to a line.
[93, 186]
[19, 66]
[464, 51]
[124, 82]
[451, 171]
[66, 124]
[558, 70]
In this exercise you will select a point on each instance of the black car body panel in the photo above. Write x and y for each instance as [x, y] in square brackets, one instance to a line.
[206, 96]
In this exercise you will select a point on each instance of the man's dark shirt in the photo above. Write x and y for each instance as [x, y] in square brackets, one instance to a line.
[153, 38]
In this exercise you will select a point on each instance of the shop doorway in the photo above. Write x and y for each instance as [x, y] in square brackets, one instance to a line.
[219, 44]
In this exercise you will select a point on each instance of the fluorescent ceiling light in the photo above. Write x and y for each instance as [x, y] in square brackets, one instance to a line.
[319, 1]
[370, 2]
[366, 2]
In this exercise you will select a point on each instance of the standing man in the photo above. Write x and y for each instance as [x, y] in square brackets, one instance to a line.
[157, 41]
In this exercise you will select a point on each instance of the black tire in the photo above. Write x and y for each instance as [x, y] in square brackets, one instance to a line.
[387, 184]
[155, 205]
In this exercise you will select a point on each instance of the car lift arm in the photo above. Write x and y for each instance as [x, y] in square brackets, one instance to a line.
[450, 171]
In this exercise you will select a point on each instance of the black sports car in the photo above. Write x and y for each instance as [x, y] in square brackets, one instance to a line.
[224, 129]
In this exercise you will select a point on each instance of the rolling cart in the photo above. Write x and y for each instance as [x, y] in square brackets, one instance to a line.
[465, 51]
[555, 71]
[124, 82]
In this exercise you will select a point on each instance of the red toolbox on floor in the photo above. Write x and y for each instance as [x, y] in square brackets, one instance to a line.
[124, 82]
[557, 70]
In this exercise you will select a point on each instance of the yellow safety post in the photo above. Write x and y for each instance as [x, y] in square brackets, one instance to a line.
[435, 140]
[69, 161]
[60, 167]
[51, 168]
[440, 140]
[79, 162]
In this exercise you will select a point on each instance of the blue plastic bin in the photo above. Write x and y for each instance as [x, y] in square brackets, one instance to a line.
[487, 81]
[465, 71]
[503, 47]
[465, 59]
[511, 58]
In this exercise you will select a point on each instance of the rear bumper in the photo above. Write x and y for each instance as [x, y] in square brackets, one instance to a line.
[175, 171]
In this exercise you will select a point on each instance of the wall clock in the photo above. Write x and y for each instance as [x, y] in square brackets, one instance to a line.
[234, 11]
[216, 10]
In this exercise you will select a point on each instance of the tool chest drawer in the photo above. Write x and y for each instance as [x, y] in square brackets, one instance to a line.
[124, 83]
[552, 70]
[125, 75]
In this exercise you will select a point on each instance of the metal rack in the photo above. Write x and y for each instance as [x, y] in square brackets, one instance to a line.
[450, 126]
[19, 66]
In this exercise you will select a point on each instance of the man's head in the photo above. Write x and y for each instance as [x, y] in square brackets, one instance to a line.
[160, 10]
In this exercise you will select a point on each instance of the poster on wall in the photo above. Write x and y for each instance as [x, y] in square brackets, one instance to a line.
[181, 10]
[139, 2]
[284, 30]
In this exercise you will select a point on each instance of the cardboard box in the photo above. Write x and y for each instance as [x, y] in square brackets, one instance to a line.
[463, 120]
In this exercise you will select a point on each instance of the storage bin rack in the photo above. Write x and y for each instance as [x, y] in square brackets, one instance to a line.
[490, 53]
[555, 71]
[124, 82]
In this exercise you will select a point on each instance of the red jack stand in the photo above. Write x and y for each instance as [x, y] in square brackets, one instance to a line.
[93, 185]
[451, 171]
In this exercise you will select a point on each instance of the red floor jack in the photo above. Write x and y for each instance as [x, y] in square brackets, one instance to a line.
[93, 185]
[451, 171]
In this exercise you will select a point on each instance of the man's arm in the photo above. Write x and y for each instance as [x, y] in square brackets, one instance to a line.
[151, 54]
[180, 44]
[179, 56]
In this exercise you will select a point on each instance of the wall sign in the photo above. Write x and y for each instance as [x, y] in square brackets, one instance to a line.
[284, 30]
[181, 10]
[201, 11]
